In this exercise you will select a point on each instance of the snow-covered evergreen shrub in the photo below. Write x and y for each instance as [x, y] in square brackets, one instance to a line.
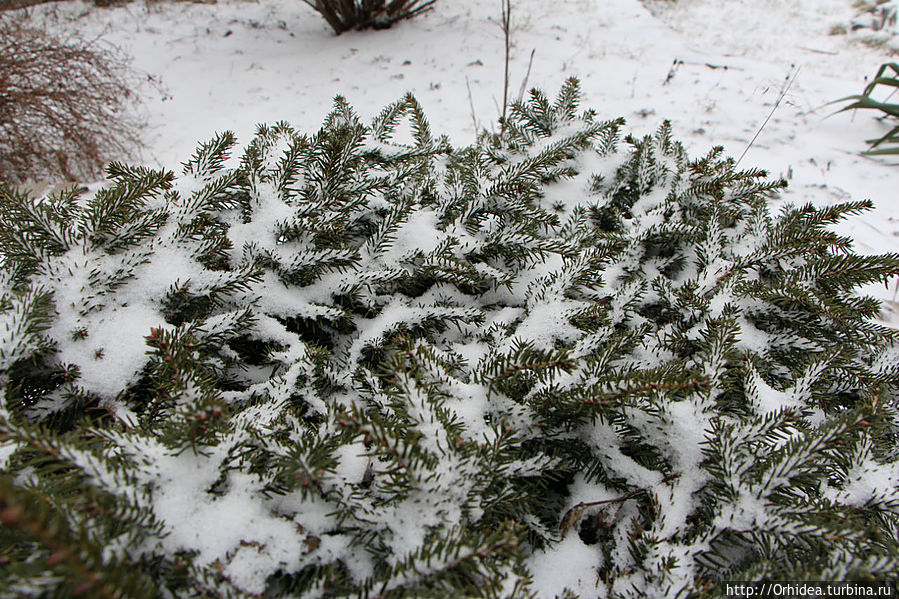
[364, 363]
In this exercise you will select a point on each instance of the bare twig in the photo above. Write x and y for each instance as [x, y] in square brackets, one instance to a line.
[474, 118]
[573, 515]
[672, 71]
[62, 104]
[783, 93]
[506, 25]
[817, 51]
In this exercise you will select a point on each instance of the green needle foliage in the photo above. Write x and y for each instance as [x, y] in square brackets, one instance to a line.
[864, 100]
[364, 363]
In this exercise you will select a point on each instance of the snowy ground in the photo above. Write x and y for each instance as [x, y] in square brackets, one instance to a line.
[715, 68]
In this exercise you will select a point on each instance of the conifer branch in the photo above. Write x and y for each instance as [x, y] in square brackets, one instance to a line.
[31, 513]
[607, 397]
[533, 366]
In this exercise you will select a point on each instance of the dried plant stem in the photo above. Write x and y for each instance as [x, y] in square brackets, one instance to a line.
[573, 515]
[506, 25]
[783, 93]
[474, 117]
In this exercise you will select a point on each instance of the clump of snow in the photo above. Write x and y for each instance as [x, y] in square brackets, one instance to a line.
[102, 337]
[568, 565]
[7, 450]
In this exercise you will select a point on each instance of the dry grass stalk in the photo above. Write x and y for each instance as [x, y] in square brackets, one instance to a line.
[506, 26]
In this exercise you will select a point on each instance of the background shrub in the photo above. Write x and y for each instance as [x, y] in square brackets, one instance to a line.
[62, 104]
[343, 15]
